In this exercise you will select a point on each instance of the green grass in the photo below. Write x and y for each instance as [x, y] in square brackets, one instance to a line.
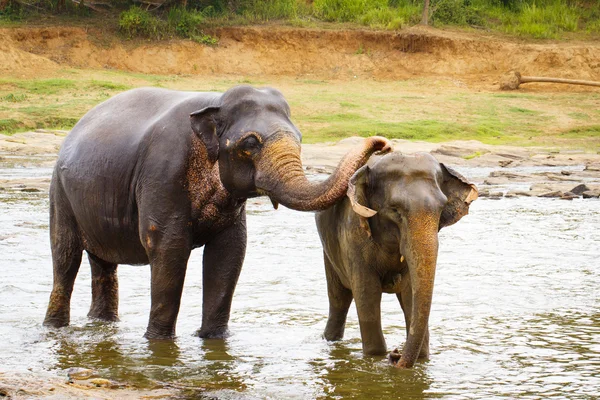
[583, 132]
[12, 98]
[473, 155]
[525, 111]
[107, 85]
[46, 86]
[333, 110]
[10, 126]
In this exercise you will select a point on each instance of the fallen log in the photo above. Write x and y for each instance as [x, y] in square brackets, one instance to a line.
[513, 79]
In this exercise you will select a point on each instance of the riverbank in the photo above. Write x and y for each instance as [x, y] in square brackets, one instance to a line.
[537, 171]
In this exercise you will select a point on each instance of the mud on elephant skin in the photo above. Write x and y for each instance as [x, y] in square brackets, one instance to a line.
[151, 174]
[384, 238]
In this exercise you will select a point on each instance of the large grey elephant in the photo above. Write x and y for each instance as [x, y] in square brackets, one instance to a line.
[151, 174]
[384, 238]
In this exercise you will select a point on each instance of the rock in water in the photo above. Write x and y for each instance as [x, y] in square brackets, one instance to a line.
[579, 189]
[80, 373]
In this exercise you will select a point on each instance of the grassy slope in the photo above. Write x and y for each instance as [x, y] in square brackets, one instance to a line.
[328, 111]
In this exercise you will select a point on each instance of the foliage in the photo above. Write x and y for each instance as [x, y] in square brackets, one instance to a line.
[544, 22]
[265, 10]
[139, 22]
[186, 18]
[180, 22]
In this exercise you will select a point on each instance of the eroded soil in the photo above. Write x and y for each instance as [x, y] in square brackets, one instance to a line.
[327, 54]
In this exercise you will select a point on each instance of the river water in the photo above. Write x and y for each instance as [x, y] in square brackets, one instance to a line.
[516, 312]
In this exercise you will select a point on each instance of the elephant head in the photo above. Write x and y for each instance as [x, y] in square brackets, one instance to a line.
[403, 201]
[250, 134]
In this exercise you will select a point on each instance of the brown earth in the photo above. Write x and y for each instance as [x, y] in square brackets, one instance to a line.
[320, 53]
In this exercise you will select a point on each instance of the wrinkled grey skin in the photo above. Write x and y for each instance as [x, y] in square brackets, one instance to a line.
[151, 174]
[384, 238]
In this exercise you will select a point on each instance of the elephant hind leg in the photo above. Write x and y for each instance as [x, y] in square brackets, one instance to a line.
[105, 290]
[67, 250]
[340, 299]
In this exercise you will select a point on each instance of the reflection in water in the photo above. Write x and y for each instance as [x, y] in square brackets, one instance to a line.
[515, 313]
[347, 374]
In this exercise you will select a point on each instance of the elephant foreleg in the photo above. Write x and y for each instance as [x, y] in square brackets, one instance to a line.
[222, 264]
[105, 290]
[367, 295]
[340, 299]
[168, 261]
[405, 299]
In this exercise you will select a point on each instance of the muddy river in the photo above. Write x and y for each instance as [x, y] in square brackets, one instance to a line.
[516, 311]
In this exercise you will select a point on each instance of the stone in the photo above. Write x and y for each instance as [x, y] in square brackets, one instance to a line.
[591, 194]
[592, 167]
[505, 163]
[569, 196]
[80, 373]
[101, 382]
[518, 193]
[556, 193]
[579, 189]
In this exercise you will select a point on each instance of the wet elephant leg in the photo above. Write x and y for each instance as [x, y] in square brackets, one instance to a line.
[168, 275]
[168, 256]
[105, 290]
[222, 264]
[340, 299]
[366, 288]
[66, 259]
[405, 299]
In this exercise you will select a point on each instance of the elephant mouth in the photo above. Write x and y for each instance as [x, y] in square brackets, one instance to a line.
[262, 192]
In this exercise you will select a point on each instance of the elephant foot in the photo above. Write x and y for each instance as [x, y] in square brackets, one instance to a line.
[56, 319]
[156, 336]
[394, 356]
[56, 322]
[155, 333]
[103, 316]
[213, 333]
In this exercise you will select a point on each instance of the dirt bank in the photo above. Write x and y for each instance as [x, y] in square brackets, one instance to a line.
[319, 53]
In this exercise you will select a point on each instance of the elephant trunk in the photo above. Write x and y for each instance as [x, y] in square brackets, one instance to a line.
[280, 174]
[421, 249]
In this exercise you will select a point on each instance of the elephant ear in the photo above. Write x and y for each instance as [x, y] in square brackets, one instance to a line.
[204, 125]
[357, 193]
[460, 193]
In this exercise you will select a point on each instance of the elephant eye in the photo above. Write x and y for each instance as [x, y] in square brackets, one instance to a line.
[250, 142]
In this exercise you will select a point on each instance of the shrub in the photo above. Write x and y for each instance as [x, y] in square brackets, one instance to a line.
[266, 10]
[544, 21]
[185, 23]
[138, 22]
[345, 10]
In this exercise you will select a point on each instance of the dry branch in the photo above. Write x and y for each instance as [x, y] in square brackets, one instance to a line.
[513, 79]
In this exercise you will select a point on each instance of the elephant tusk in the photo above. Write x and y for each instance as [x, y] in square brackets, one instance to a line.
[401, 258]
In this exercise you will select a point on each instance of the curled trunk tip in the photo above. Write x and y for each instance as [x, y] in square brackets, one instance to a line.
[281, 174]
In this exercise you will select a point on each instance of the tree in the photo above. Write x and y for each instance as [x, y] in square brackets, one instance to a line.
[425, 18]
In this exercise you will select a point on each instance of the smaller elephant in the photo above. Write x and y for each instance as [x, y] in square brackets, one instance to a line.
[384, 238]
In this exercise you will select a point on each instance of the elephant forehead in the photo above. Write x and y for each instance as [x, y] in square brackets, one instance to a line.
[398, 164]
[249, 100]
